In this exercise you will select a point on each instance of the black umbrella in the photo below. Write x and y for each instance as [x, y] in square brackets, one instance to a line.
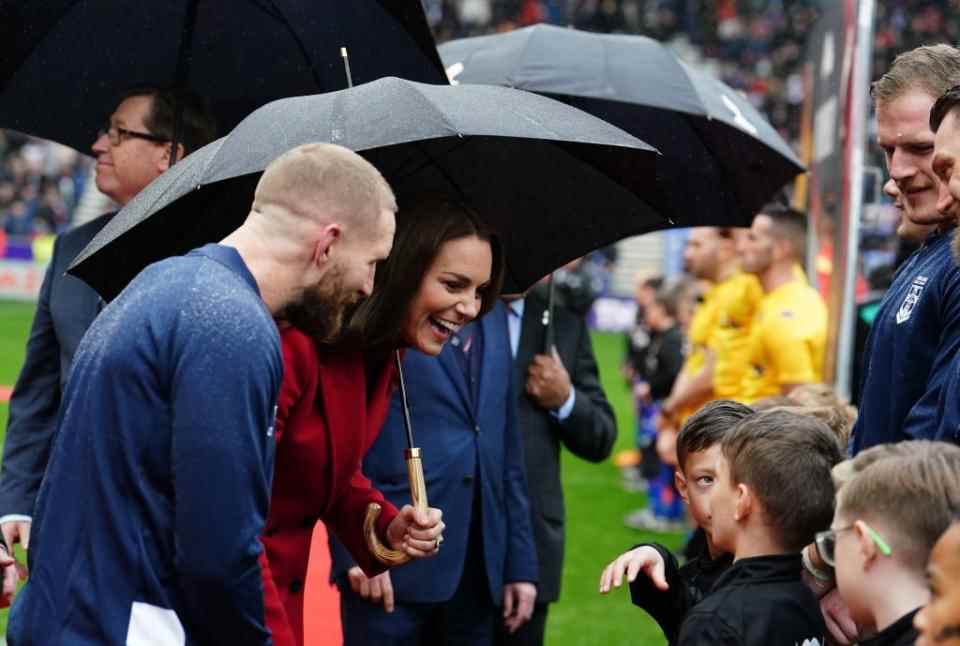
[553, 181]
[721, 159]
[64, 63]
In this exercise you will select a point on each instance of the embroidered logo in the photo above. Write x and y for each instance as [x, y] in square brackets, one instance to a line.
[813, 641]
[911, 300]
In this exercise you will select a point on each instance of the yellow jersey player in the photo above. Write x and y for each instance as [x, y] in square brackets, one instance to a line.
[789, 331]
[720, 328]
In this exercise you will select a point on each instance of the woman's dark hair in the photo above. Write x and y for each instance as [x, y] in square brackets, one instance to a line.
[422, 229]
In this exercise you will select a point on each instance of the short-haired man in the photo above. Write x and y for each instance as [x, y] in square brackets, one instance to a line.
[720, 329]
[131, 151]
[788, 336]
[916, 332]
[160, 473]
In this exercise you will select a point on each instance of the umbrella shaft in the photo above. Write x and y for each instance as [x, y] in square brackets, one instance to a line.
[418, 484]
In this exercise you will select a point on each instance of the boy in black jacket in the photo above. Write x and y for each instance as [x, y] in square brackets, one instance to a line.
[666, 590]
[772, 495]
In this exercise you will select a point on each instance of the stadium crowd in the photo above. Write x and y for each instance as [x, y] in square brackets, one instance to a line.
[40, 185]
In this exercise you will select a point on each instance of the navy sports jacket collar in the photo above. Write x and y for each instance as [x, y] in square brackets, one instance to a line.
[229, 258]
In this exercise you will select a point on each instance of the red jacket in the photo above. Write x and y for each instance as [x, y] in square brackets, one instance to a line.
[327, 419]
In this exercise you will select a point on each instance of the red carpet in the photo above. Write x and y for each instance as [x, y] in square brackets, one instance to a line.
[321, 612]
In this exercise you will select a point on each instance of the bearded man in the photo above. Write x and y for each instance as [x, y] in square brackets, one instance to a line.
[147, 526]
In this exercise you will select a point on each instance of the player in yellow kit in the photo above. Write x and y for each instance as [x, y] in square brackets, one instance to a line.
[720, 328]
[789, 332]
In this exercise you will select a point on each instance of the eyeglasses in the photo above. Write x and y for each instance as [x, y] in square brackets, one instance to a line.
[117, 135]
[827, 543]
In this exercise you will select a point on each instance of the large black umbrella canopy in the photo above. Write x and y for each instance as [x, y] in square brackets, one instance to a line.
[65, 63]
[721, 159]
[552, 181]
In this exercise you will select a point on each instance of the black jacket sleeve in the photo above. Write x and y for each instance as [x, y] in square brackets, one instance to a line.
[591, 429]
[667, 607]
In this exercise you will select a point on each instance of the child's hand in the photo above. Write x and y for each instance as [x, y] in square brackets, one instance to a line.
[643, 558]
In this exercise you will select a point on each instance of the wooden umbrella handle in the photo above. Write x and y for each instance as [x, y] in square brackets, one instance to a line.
[418, 493]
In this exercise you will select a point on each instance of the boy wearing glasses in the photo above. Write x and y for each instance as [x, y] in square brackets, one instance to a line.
[772, 493]
[889, 516]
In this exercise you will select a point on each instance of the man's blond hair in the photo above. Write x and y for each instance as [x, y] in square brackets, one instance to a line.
[325, 181]
[913, 496]
[934, 69]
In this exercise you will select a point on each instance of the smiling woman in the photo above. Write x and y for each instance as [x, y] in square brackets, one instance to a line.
[444, 271]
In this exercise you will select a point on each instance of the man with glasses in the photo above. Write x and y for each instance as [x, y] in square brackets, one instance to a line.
[132, 150]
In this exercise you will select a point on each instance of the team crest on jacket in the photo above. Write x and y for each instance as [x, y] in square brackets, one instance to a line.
[911, 300]
[813, 641]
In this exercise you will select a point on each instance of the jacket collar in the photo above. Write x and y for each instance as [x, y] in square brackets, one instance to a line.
[899, 632]
[229, 258]
[761, 569]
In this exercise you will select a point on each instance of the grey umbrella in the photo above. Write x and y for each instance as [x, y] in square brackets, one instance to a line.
[552, 181]
[721, 159]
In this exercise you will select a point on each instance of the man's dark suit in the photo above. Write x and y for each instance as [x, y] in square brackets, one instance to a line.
[66, 308]
[589, 432]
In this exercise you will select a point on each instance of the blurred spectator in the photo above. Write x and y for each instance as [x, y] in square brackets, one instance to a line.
[652, 383]
[646, 466]
[17, 221]
[40, 185]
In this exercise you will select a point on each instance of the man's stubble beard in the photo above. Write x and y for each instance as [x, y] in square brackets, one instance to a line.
[322, 309]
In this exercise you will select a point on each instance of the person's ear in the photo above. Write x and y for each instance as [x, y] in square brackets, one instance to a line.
[680, 481]
[744, 503]
[326, 242]
[164, 163]
[865, 544]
